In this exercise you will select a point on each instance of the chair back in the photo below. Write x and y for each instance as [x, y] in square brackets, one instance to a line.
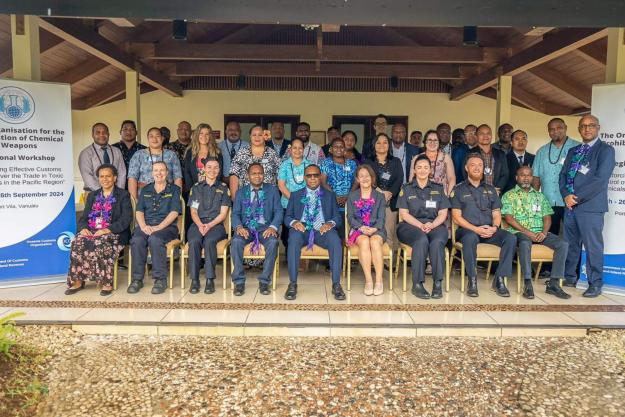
[228, 223]
[454, 226]
[133, 223]
[180, 223]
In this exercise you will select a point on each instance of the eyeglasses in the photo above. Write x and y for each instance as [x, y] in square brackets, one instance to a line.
[312, 175]
[432, 140]
[590, 126]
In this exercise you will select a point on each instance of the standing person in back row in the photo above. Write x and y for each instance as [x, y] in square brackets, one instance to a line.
[99, 153]
[584, 186]
[495, 161]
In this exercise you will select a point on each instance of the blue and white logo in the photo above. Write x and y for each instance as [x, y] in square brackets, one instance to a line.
[64, 241]
[16, 105]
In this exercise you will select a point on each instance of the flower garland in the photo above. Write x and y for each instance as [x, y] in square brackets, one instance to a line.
[100, 215]
[253, 211]
[311, 212]
[364, 208]
[579, 158]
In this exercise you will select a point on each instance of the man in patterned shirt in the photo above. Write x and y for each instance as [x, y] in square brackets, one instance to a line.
[528, 214]
[184, 140]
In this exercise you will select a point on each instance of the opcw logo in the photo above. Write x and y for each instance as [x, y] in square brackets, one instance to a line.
[16, 105]
[64, 241]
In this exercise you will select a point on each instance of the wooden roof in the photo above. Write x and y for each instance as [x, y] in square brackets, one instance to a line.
[553, 69]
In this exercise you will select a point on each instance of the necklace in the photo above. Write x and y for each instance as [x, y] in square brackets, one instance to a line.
[152, 160]
[559, 154]
[293, 173]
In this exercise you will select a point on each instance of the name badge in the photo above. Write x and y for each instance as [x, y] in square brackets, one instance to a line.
[584, 170]
[195, 204]
[299, 178]
[264, 161]
[487, 171]
[562, 161]
[430, 204]
[536, 207]
[386, 176]
[348, 169]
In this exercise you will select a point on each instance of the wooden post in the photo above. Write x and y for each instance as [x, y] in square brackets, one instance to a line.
[504, 100]
[615, 65]
[25, 47]
[133, 100]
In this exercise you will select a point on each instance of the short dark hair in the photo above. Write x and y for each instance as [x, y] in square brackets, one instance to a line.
[312, 166]
[211, 159]
[421, 157]
[106, 166]
[96, 124]
[519, 131]
[255, 164]
[472, 155]
[339, 139]
[383, 116]
[254, 127]
[556, 119]
[333, 128]
[483, 125]
[129, 122]
[161, 162]
[350, 132]
[416, 131]
[500, 128]
[440, 125]
[457, 133]
[297, 139]
[302, 124]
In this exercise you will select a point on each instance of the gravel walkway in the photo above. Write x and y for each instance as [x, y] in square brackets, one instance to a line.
[247, 376]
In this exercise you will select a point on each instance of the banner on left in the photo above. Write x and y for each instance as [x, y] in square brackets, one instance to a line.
[37, 210]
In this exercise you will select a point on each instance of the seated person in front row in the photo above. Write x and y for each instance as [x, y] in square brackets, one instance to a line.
[313, 217]
[528, 215]
[157, 211]
[209, 201]
[256, 218]
[366, 208]
[476, 209]
[423, 208]
[103, 232]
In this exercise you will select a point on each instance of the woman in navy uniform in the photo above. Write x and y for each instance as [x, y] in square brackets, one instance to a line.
[423, 208]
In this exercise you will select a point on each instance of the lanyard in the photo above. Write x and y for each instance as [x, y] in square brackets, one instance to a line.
[162, 156]
[559, 154]
[232, 151]
[98, 155]
[293, 174]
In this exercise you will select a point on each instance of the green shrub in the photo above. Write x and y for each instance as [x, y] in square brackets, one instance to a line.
[8, 332]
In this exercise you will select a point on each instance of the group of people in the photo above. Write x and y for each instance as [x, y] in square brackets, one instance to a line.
[298, 192]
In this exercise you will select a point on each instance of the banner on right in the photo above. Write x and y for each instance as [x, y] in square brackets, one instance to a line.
[608, 104]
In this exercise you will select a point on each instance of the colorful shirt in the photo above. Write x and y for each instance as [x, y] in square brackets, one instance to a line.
[527, 207]
[140, 167]
[340, 176]
[244, 158]
[547, 166]
[293, 176]
[313, 153]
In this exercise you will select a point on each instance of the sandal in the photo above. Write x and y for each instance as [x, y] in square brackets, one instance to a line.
[74, 290]
[379, 288]
[369, 288]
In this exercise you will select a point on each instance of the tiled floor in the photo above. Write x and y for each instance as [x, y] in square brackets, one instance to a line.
[488, 311]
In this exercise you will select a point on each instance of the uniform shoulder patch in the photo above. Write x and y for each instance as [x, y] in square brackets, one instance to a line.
[401, 192]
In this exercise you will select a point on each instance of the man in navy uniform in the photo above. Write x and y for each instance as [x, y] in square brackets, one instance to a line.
[584, 186]
[313, 213]
[256, 217]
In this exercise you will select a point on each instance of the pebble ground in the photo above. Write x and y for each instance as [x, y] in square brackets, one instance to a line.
[247, 376]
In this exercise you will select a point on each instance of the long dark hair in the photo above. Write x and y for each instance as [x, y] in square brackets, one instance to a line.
[389, 156]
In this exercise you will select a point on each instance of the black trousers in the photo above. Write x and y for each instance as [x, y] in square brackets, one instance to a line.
[505, 240]
[208, 242]
[156, 242]
[422, 244]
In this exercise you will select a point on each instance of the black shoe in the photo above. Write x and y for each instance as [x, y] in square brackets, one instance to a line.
[472, 287]
[71, 291]
[419, 291]
[291, 291]
[134, 287]
[528, 289]
[437, 289]
[105, 293]
[338, 292]
[592, 292]
[195, 287]
[264, 289]
[122, 267]
[570, 284]
[553, 288]
[239, 290]
[545, 273]
[210, 286]
[159, 286]
[499, 286]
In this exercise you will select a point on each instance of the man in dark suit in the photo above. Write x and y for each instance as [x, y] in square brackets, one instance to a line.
[584, 186]
[277, 142]
[495, 162]
[517, 157]
[313, 218]
[403, 150]
[256, 217]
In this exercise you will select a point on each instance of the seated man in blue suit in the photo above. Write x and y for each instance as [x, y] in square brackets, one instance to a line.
[256, 217]
[313, 217]
[584, 187]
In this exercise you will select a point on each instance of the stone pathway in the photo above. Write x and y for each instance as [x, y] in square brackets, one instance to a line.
[246, 376]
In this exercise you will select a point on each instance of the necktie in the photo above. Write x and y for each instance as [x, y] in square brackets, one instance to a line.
[106, 158]
[317, 223]
[520, 160]
[256, 201]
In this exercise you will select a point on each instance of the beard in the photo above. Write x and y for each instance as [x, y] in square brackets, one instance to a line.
[525, 186]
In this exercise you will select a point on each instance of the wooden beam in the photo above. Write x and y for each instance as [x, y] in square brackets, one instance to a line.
[81, 71]
[593, 54]
[47, 44]
[125, 22]
[81, 36]
[563, 83]
[334, 53]
[421, 71]
[550, 48]
[102, 95]
[535, 103]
